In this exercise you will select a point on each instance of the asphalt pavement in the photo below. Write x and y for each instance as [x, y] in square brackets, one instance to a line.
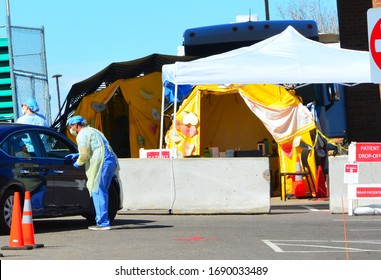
[294, 230]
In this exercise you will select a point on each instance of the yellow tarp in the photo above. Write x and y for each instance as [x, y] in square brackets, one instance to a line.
[139, 99]
[214, 116]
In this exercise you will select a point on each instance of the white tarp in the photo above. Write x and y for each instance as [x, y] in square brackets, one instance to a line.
[286, 58]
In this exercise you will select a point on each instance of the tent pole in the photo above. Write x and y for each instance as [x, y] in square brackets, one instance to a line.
[162, 121]
[173, 132]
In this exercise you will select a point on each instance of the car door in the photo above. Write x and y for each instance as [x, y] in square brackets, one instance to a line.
[70, 192]
[30, 167]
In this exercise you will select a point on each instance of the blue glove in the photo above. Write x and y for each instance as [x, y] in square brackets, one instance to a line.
[75, 164]
[72, 156]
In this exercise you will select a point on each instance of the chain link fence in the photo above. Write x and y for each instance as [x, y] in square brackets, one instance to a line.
[30, 75]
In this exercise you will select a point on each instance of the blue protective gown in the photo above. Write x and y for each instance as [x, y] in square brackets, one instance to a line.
[101, 164]
[34, 119]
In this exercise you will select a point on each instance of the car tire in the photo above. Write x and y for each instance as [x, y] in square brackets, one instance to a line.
[6, 207]
[113, 202]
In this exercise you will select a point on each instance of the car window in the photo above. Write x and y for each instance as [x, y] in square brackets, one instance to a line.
[54, 146]
[13, 145]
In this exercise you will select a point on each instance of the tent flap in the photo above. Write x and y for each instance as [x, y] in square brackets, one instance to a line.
[281, 113]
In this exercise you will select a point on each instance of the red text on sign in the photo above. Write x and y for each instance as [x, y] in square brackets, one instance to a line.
[368, 192]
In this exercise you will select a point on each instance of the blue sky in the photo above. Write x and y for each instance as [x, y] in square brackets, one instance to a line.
[84, 36]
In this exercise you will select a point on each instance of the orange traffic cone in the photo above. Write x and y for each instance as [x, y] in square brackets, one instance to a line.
[298, 184]
[16, 241]
[320, 183]
[27, 223]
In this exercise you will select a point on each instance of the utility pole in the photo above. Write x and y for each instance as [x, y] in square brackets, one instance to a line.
[267, 9]
[57, 76]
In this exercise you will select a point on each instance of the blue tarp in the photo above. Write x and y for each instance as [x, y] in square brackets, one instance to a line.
[182, 91]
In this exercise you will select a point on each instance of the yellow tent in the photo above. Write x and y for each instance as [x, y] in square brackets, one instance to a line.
[222, 116]
[137, 101]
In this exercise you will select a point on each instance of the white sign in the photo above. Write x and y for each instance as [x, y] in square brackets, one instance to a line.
[374, 39]
[351, 173]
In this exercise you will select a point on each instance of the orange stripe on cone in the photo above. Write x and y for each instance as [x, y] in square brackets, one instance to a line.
[27, 223]
[16, 239]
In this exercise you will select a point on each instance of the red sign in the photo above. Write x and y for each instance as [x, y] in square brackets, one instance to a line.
[375, 43]
[156, 154]
[368, 152]
[351, 168]
[368, 192]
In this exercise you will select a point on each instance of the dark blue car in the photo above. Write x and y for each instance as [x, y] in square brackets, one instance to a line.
[32, 158]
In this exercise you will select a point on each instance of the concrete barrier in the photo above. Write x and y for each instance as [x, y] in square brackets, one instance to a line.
[197, 185]
[369, 173]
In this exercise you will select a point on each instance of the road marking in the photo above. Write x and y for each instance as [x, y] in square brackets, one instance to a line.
[366, 229]
[321, 246]
[314, 209]
[194, 238]
[357, 220]
[273, 246]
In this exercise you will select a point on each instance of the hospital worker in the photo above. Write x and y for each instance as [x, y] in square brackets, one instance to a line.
[29, 110]
[101, 164]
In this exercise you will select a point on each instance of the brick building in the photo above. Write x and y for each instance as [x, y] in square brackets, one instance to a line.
[363, 101]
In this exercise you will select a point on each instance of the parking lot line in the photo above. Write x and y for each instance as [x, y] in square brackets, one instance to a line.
[313, 209]
[323, 246]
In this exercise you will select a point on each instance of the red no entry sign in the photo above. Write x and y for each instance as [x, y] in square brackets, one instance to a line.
[375, 43]
[374, 36]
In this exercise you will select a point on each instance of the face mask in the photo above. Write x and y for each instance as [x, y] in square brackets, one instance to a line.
[23, 111]
[73, 132]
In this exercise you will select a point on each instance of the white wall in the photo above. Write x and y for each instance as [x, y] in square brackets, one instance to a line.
[197, 185]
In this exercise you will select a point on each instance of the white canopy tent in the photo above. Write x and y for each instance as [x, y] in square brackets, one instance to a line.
[287, 58]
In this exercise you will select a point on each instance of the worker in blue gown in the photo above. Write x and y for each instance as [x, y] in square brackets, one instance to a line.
[101, 164]
[29, 110]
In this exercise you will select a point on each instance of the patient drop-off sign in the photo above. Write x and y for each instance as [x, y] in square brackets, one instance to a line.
[364, 152]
